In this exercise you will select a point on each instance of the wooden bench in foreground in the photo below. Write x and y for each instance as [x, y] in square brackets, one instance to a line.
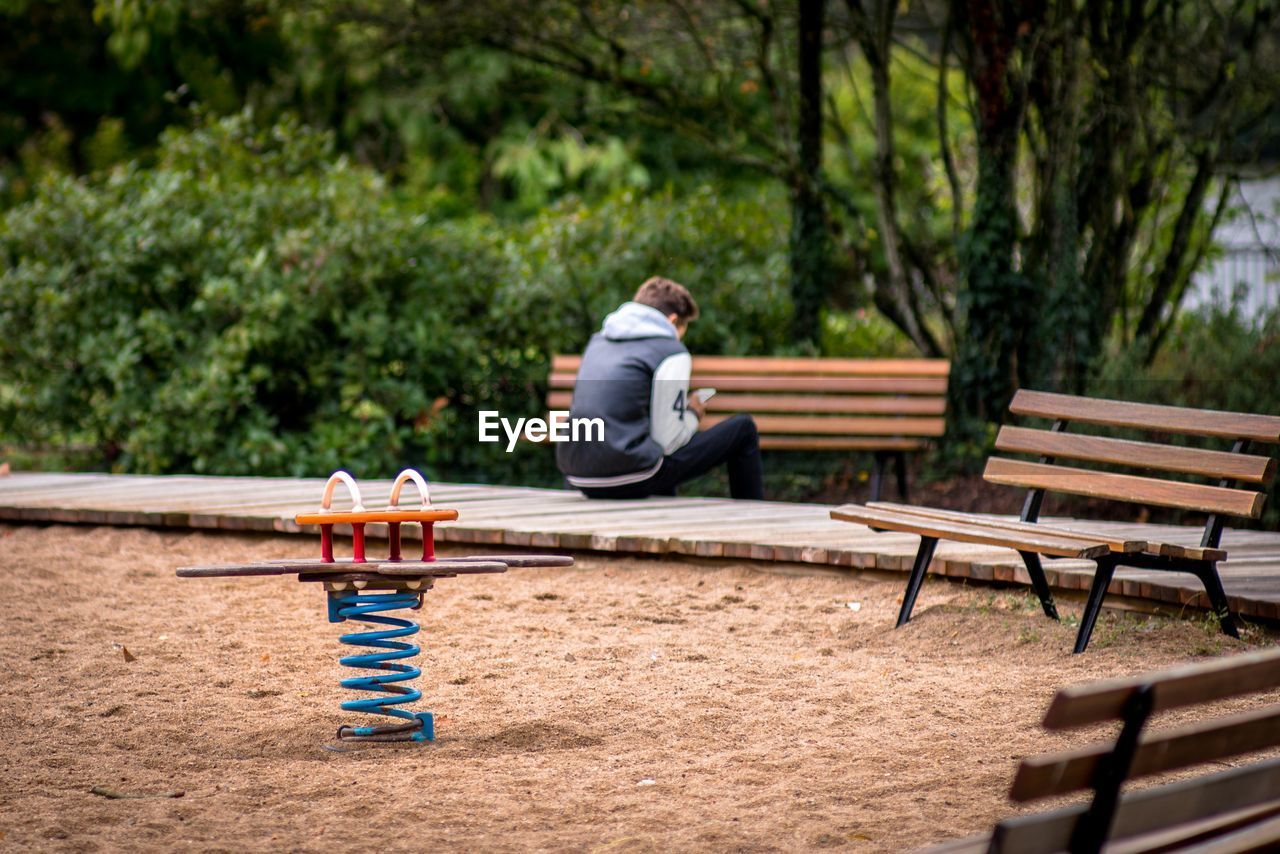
[1236, 809]
[1236, 476]
[888, 407]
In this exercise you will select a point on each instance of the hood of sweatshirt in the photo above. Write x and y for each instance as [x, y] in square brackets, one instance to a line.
[633, 320]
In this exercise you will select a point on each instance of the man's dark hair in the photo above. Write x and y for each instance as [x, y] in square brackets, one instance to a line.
[668, 297]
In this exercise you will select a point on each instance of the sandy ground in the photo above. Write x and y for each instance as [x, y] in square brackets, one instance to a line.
[622, 705]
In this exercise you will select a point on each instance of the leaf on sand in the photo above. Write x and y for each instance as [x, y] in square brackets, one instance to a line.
[128, 656]
[117, 795]
[260, 693]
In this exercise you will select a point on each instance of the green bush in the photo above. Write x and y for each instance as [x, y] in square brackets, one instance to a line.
[1215, 358]
[576, 262]
[254, 304]
[250, 305]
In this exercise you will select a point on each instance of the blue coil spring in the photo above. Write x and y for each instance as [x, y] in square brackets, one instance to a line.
[387, 661]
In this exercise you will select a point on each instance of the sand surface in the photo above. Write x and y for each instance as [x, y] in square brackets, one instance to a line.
[621, 705]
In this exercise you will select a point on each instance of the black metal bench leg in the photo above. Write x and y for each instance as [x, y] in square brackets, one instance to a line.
[900, 464]
[1101, 580]
[918, 569]
[1218, 599]
[877, 475]
[1040, 583]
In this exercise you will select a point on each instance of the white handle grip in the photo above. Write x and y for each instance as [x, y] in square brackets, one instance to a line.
[418, 480]
[350, 482]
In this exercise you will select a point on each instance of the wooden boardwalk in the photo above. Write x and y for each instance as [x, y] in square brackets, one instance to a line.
[561, 519]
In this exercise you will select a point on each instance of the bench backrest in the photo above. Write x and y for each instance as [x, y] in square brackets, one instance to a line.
[812, 404]
[1236, 473]
[1221, 800]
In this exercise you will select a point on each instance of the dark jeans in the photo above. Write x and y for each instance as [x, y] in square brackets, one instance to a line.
[734, 442]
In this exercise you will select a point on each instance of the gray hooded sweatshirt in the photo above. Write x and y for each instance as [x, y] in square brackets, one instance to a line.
[635, 378]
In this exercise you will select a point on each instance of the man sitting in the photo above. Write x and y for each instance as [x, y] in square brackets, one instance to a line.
[635, 377]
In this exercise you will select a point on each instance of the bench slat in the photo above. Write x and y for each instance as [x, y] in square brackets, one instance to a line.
[773, 365]
[1217, 833]
[828, 385]
[791, 403]
[1059, 773]
[1147, 416]
[841, 443]
[1260, 836]
[830, 443]
[1203, 682]
[840, 404]
[1188, 552]
[1102, 449]
[1234, 791]
[825, 385]
[1116, 544]
[776, 365]
[1124, 487]
[845, 425]
[1043, 543]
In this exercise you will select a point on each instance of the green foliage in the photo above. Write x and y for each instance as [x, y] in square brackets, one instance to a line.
[240, 308]
[89, 84]
[462, 127]
[132, 24]
[539, 167]
[576, 262]
[1215, 358]
[863, 334]
[924, 199]
[254, 304]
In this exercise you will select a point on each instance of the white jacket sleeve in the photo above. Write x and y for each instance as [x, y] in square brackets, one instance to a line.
[671, 421]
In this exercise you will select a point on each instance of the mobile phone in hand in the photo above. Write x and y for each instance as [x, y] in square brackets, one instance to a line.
[704, 394]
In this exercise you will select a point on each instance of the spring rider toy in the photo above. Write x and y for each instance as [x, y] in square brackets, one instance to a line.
[364, 590]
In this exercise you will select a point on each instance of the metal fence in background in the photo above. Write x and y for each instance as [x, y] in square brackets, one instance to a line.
[1254, 270]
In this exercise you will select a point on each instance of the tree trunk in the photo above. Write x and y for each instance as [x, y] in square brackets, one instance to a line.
[995, 301]
[898, 298]
[1059, 354]
[810, 254]
[1174, 269]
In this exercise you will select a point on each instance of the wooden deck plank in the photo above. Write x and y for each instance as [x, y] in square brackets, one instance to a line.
[703, 527]
[573, 508]
[673, 523]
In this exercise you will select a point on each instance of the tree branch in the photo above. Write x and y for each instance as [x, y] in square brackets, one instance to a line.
[944, 140]
[1174, 266]
[1157, 340]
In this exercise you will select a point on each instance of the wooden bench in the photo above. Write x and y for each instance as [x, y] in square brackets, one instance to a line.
[888, 407]
[1236, 473]
[1237, 809]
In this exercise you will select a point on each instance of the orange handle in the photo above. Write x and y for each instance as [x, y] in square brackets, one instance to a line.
[363, 516]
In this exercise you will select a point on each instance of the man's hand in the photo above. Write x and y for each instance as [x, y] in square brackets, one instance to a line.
[696, 405]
